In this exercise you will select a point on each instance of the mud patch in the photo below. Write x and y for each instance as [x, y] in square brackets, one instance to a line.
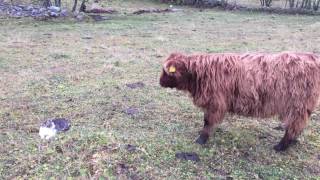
[122, 168]
[131, 111]
[131, 148]
[124, 171]
[135, 85]
[189, 156]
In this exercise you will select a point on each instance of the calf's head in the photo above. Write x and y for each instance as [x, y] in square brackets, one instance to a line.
[175, 73]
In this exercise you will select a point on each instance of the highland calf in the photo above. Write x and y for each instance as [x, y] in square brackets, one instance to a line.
[286, 85]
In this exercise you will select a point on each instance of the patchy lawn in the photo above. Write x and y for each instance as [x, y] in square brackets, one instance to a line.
[84, 72]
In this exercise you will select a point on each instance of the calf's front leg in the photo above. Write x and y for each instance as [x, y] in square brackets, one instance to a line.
[211, 120]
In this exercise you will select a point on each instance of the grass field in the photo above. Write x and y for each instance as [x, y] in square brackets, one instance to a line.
[80, 71]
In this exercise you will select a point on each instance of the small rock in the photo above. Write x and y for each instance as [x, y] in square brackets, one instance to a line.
[191, 156]
[46, 14]
[59, 150]
[34, 12]
[16, 8]
[42, 10]
[29, 8]
[18, 14]
[80, 16]
[54, 9]
[49, 128]
[47, 132]
[61, 124]
[64, 12]
[53, 14]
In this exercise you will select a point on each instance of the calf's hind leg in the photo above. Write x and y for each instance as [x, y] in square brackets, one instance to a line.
[293, 130]
[211, 119]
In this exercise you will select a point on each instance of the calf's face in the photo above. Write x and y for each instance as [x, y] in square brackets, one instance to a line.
[167, 80]
[174, 73]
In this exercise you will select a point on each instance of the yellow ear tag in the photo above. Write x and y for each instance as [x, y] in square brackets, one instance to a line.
[172, 69]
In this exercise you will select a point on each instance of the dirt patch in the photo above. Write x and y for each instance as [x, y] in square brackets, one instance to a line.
[135, 85]
[122, 168]
[125, 171]
[190, 156]
[131, 111]
[130, 148]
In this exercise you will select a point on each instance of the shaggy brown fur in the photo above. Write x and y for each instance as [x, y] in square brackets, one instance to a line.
[259, 85]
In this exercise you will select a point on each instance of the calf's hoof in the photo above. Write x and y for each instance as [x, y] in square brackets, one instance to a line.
[284, 146]
[202, 139]
[280, 147]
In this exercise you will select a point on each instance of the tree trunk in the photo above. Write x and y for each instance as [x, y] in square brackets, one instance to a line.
[309, 4]
[47, 3]
[268, 3]
[316, 4]
[74, 5]
[83, 6]
[291, 4]
[57, 3]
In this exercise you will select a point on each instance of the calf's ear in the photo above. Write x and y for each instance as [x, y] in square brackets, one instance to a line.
[172, 69]
[175, 64]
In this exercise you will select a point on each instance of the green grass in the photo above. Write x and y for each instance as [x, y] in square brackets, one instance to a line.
[48, 69]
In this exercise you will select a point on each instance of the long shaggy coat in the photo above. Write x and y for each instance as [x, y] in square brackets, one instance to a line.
[253, 84]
